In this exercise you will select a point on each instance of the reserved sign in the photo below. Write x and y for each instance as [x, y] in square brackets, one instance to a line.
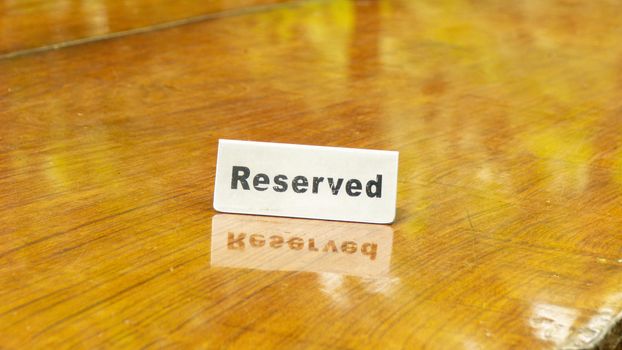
[332, 183]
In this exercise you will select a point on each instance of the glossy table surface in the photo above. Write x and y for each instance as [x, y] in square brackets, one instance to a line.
[39, 25]
[507, 117]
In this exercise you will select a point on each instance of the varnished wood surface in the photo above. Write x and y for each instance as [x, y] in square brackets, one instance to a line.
[34, 24]
[508, 232]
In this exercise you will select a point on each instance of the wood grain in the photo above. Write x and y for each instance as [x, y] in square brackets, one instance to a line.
[27, 26]
[508, 233]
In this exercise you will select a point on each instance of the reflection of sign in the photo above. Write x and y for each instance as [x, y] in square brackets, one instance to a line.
[300, 245]
[316, 182]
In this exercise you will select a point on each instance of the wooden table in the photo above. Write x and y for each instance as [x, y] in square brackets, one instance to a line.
[507, 117]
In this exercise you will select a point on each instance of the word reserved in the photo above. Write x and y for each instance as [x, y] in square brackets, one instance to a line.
[316, 182]
[300, 184]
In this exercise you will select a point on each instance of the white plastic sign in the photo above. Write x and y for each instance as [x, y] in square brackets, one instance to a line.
[316, 182]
